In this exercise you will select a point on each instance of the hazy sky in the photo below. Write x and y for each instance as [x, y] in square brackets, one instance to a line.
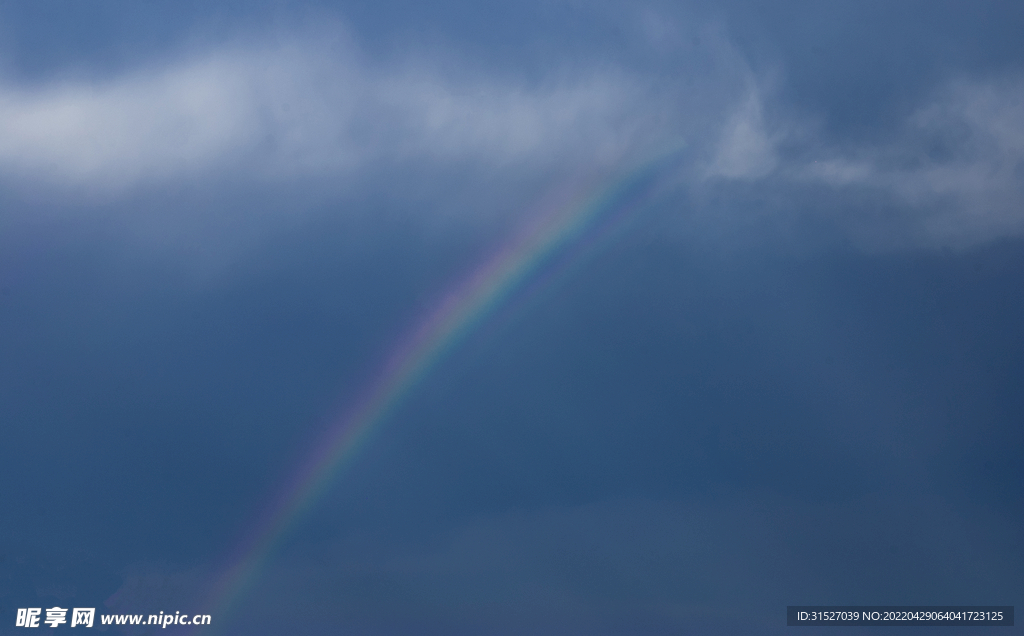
[792, 375]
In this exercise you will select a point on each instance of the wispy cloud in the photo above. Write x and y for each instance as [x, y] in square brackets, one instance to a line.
[307, 108]
[745, 150]
[952, 175]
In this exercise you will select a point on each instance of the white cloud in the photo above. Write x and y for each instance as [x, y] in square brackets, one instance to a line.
[123, 131]
[304, 108]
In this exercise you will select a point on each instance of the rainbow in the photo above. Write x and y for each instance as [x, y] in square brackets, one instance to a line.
[558, 226]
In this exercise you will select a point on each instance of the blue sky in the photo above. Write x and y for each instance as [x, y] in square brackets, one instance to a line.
[791, 377]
